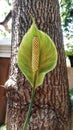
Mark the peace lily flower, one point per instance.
(37, 55)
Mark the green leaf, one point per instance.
(47, 55)
(3, 127)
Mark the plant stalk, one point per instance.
(29, 110)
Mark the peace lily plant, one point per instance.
(37, 55)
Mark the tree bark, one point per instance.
(51, 109)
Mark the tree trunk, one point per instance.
(51, 104)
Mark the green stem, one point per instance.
(29, 110)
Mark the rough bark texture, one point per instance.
(51, 106)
